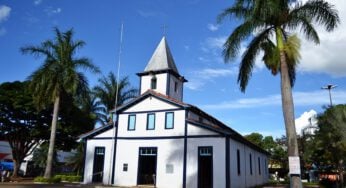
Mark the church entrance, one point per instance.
(99, 157)
(205, 167)
(147, 160)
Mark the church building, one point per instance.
(159, 140)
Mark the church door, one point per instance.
(205, 167)
(99, 157)
(147, 166)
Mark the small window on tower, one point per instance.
(175, 86)
(153, 82)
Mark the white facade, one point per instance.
(182, 146)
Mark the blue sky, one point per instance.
(195, 40)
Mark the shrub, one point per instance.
(47, 180)
(69, 178)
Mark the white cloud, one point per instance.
(4, 13)
(215, 42)
(201, 77)
(213, 27)
(51, 11)
(329, 56)
(304, 121)
(300, 99)
(37, 2)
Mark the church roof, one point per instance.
(162, 58)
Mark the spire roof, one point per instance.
(162, 58)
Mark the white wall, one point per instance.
(141, 125)
(89, 159)
(196, 130)
(175, 94)
(150, 104)
(218, 145)
(161, 80)
(169, 151)
(245, 179)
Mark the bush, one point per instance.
(47, 180)
(69, 178)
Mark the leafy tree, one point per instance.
(59, 73)
(331, 138)
(275, 148)
(269, 23)
(106, 90)
(77, 160)
(20, 123)
(40, 156)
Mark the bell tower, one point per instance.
(161, 74)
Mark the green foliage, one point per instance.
(77, 160)
(69, 178)
(60, 75)
(267, 20)
(106, 91)
(20, 123)
(278, 154)
(330, 139)
(40, 156)
(47, 180)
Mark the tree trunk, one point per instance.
(288, 107)
(16, 166)
(48, 171)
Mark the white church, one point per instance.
(160, 141)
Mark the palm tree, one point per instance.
(91, 105)
(58, 74)
(267, 20)
(107, 91)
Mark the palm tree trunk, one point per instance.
(288, 107)
(48, 171)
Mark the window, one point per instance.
(132, 122)
(148, 151)
(151, 122)
(153, 82)
(259, 166)
(250, 164)
(205, 151)
(238, 161)
(175, 86)
(125, 167)
(169, 120)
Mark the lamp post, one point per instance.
(330, 87)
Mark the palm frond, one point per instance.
(249, 56)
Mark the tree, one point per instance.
(268, 20)
(275, 148)
(20, 123)
(106, 90)
(93, 106)
(77, 159)
(40, 156)
(330, 138)
(59, 73)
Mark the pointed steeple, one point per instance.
(162, 58)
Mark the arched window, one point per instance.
(153, 82)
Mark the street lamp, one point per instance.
(330, 87)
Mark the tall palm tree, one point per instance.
(268, 20)
(107, 88)
(59, 73)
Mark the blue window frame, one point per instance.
(131, 123)
(151, 122)
(169, 120)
